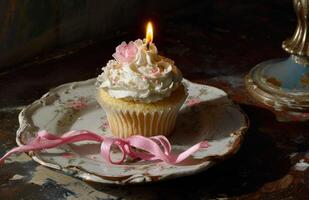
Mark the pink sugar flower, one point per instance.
(125, 53)
(192, 102)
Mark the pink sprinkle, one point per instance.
(155, 72)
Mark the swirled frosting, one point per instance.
(138, 73)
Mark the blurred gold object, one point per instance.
(283, 84)
(298, 44)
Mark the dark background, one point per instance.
(207, 39)
(32, 28)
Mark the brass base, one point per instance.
(283, 84)
(267, 87)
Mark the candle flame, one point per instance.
(149, 33)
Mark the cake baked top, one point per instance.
(138, 73)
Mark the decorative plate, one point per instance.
(207, 114)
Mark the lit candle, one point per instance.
(149, 34)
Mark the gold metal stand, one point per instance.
(283, 84)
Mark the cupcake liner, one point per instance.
(127, 118)
(125, 123)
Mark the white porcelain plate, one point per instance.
(207, 114)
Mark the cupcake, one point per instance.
(140, 91)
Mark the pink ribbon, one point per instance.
(154, 148)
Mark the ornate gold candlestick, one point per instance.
(283, 84)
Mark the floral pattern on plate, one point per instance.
(207, 114)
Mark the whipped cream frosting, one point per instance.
(138, 73)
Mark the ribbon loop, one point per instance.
(106, 149)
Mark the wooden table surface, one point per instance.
(212, 43)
